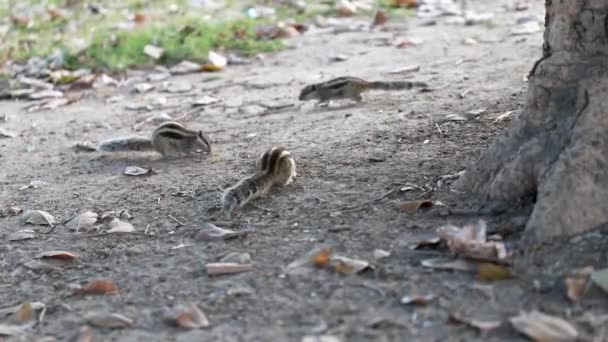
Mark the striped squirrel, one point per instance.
(169, 138)
(349, 88)
(273, 167)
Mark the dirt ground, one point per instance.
(345, 155)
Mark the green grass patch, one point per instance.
(191, 40)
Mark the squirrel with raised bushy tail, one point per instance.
(169, 138)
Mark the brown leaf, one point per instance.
(578, 283)
(109, 320)
(25, 313)
(417, 299)
(491, 272)
(220, 268)
(189, 317)
(102, 286)
(321, 259)
(139, 18)
(544, 328)
(346, 265)
(483, 326)
(60, 255)
(380, 18)
(414, 206)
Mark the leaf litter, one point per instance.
(109, 320)
(187, 316)
(38, 217)
(544, 328)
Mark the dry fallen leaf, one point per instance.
(143, 87)
(404, 3)
(23, 234)
(118, 226)
(37, 217)
(470, 241)
(34, 185)
(220, 268)
(210, 232)
(189, 317)
(136, 171)
(491, 272)
(175, 87)
(414, 206)
(381, 254)
(109, 320)
(321, 258)
(483, 326)
(86, 220)
(215, 62)
(153, 51)
(59, 255)
(14, 330)
(25, 313)
(7, 134)
(205, 100)
(101, 286)
(14, 309)
(577, 283)
(346, 265)
(544, 328)
(417, 300)
(425, 239)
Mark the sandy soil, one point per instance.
(345, 155)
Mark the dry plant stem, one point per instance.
(557, 148)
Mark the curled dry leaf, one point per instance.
(346, 265)
(215, 62)
(34, 185)
(39, 217)
(7, 134)
(483, 326)
(544, 328)
(187, 316)
(59, 255)
(491, 272)
(109, 320)
(417, 299)
(381, 254)
(25, 313)
(86, 220)
(136, 171)
(118, 226)
(318, 256)
(220, 268)
(101, 286)
(210, 232)
(577, 283)
(470, 241)
(414, 206)
(23, 234)
(426, 239)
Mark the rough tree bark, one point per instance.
(556, 150)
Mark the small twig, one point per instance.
(464, 93)
(366, 203)
(179, 223)
(439, 129)
(60, 224)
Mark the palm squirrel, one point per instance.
(169, 138)
(350, 88)
(273, 167)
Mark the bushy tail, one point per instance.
(244, 191)
(126, 144)
(396, 85)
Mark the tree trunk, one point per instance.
(556, 150)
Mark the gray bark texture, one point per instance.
(556, 150)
